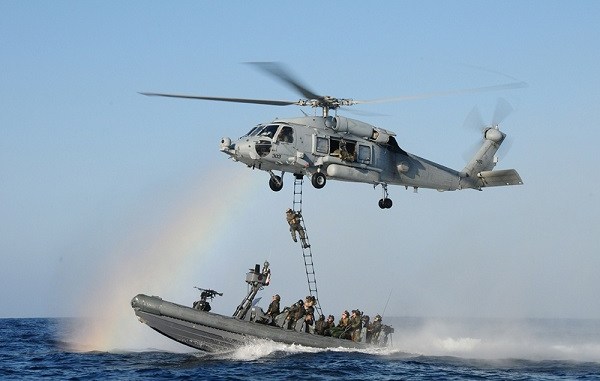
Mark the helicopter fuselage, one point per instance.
(338, 148)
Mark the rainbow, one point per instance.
(192, 226)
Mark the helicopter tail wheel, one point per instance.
(318, 180)
(275, 183)
(385, 203)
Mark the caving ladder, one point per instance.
(306, 251)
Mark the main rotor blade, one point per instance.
(221, 99)
(277, 70)
(506, 86)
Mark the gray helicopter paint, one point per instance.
(384, 166)
(383, 162)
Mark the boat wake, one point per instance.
(259, 349)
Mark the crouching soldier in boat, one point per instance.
(327, 325)
(365, 325)
(294, 313)
(309, 312)
(341, 330)
(320, 326)
(355, 325)
(373, 330)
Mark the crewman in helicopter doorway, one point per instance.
(293, 219)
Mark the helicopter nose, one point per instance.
(246, 150)
(227, 146)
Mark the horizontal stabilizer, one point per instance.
(500, 178)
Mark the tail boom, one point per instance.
(479, 169)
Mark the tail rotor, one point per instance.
(474, 121)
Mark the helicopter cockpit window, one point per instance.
(364, 154)
(322, 145)
(269, 131)
(253, 131)
(286, 135)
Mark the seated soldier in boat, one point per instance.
(355, 325)
(294, 313)
(341, 330)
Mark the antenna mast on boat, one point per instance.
(257, 279)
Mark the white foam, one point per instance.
(262, 348)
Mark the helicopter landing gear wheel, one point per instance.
(275, 183)
(318, 180)
(385, 203)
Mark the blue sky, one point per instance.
(89, 167)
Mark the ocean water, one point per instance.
(423, 349)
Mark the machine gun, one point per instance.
(203, 304)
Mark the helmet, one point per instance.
(377, 317)
(289, 210)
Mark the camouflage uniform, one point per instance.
(344, 154)
(309, 312)
(328, 325)
(373, 330)
(355, 325)
(294, 313)
(320, 325)
(339, 331)
(309, 318)
(273, 309)
(293, 219)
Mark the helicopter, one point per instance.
(333, 147)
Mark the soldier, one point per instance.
(308, 312)
(365, 325)
(373, 330)
(340, 331)
(328, 325)
(320, 326)
(355, 325)
(344, 154)
(274, 308)
(293, 219)
(295, 312)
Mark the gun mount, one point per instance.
(256, 279)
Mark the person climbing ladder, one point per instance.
(293, 219)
